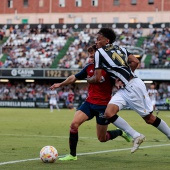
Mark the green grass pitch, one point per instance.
(23, 132)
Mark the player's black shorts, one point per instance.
(92, 110)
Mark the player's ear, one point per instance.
(107, 41)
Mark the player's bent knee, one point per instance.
(74, 127)
(148, 122)
(150, 119)
(111, 111)
(108, 115)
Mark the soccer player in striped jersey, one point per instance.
(131, 89)
(94, 105)
(153, 93)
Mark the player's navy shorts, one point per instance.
(92, 110)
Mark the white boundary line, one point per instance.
(44, 136)
(88, 153)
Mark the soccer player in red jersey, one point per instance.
(95, 104)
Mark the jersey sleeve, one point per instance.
(97, 60)
(126, 52)
(82, 74)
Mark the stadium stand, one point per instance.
(33, 48)
(36, 48)
(67, 49)
(76, 56)
(157, 48)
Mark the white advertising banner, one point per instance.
(153, 74)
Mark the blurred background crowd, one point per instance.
(40, 92)
(38, 48)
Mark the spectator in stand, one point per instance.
(153, 94)
(1, 35)
(83, 95)
(168, 101)
(155, 59)
(53, 97)
(70, 100)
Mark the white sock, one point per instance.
(122, 124)
(57, 107)
(51, 108)
(164, 128)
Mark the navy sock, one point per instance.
(114, 133)
(73, 140)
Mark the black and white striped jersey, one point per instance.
(113, 59)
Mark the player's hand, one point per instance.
(54, 86)
(88, 78)
(118, 83)
(102, 79)
(133, 62)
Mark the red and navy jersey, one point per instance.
(98, 93)
(70, 97)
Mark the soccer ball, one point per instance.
(48, 154)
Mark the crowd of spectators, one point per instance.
(164, 93)
(157, 44)
(128, 36)
(76, 56)
(33, 48)
(36, 92)
(40, 92)
(37, 48)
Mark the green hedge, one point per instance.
(3, 58)
(147, 60)
(62, 52)
(4, 40)
(140, 41)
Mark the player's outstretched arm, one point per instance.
(133, 62)
(96, 78)
(71, 79)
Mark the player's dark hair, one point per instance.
(92, 48)
(153, 84)
(108, 33)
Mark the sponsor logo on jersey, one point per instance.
(101, 115)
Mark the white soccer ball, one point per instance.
(48, 154)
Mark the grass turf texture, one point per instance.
(24, 132)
